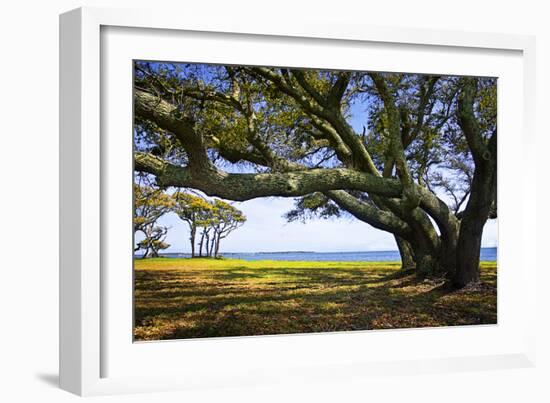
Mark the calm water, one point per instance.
(488, 254)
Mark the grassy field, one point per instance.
(189, 298)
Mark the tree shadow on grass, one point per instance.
(239, 302)
(177, 281)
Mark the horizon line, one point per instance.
(302, 251)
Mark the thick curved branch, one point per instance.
(300, 97)
(337, 91)
(394, 128)
(209, 95)
(167, 116)
(370, 214)
(468, 122)
(409, 132)
(327, 131)
(244, 186)
(234, 155)
(253, 136)
(312, 92)
(445, 219)
(426, 94)
(411, 198)
(361, 157)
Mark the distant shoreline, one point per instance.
(487, 254)
(302, 251)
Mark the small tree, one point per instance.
(214, 219)
(194, 211)
(153, 241)
(205, 236)
(149, 205)
(227, 218)
(206, 222)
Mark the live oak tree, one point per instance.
(422, 166)
(149, 205)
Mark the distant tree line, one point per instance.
(209, 221)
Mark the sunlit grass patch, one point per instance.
(190, 298)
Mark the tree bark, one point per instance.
(483, 188)
(406, 252)
(471, 227)
(469, 245)
(217, 248)
(207, 236)
(192, 240)
(448, 256)
(246, 186)
(426, 260)
(212, 242)
(201, 243)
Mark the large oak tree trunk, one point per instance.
(474, 218)
(429, 261)
(406, 253)
(482, 191)
(469, 245)
(447, 260)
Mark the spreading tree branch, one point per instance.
(244, 186)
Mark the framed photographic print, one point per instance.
(257, 195)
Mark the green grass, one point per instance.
(190, 298)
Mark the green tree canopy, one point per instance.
(216, 219)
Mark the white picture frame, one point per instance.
(86, 345)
